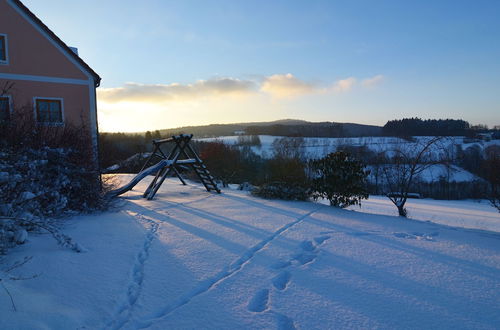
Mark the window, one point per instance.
(4, 108)
(49, 111)
(3, 49)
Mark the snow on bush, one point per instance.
(37, 185)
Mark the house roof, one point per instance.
(97, 78)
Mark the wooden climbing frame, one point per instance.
(181, 155)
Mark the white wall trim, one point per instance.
(6, 62)
(57, 80)
(49, 98)
(50, 39)
(93, 121)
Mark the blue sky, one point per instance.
(172, 63)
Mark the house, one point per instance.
(38, 71)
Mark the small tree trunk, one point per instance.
(402, 210)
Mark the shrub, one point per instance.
(44, 183)
(286, 170)
(37, 186)
(339, 178)
(282, 190)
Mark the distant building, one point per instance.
(39, 71)
(239, 132)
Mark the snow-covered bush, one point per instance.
(37, 185)
(11, 234)
(45, 183)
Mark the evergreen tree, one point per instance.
(340, 179)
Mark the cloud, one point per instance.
(344, 85)
(134, 92)
(286, 85)
(277, 85)
(373, 81)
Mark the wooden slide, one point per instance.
(141, 175)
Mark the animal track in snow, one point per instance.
(124, 310)
(259, 301)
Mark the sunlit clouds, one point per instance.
(133, 92)
(286, 85)
(373, 81)
(344, 85)
(140, 107)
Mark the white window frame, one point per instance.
(6, 41)
(10, 104)
(50, 99)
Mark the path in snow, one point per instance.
(208, 284)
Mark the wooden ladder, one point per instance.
(181, 155)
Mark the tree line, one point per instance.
(435, 127)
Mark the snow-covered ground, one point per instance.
(472, 214)
(196, 260)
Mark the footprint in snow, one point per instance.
(307, 246)
(259, 301)
(284, 322)
(281, 280)
(305, 258)
(320, 239)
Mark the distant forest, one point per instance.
(428, 127)
(398, 127)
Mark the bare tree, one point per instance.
(408, 161)
(6, 87)
(289, 147)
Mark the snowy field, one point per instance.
(472, 214)
(319, 147)
(196, 260)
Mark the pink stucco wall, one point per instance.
(30, 52)
(75, 99)
(35, 68)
